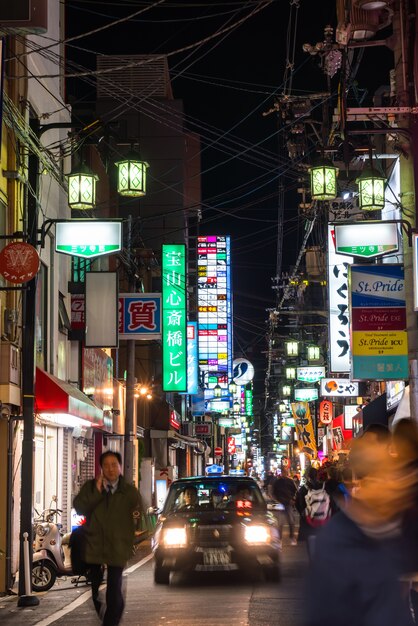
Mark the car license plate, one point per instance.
(216, 557)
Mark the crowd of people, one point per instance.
(359, 520)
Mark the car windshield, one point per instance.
(211, 494)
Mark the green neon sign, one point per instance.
(174, 322)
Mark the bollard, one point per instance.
(27, 599)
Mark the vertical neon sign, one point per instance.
(174, 331)
(215, 311)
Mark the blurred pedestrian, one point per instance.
(284, 492)
(360, 544)
(108, 503)
(312, 500)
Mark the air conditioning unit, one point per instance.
(24, 17)
(9, 364)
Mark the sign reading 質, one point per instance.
(174, 322)
(139, 316)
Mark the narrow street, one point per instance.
(194, 600)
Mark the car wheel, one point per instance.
(43, 576)
(273, 574)
(161, 575)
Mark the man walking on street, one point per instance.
(284, 492)
(108, 504)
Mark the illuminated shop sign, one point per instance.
(214, 310)
(310, 373)
(343, 387)
(88, 238)
(306, 394)
(174, 324)
(139, 316)
(367, 240)
(339, 317)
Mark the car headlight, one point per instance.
(174, 537)
(42, 530)
(257, 534)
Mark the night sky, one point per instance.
(226, 84)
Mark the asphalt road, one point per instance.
(197, 600)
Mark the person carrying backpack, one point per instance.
(284, 492)
(314, 506)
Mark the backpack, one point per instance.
(318, 506)
(77, 545)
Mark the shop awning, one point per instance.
(56, 397)
(198, 444)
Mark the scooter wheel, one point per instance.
(43, 576)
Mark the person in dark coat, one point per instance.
(284, 492)
(108, 503)
(307, 532)
(361, 584)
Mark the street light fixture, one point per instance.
(371, 187)
(82, 188)
(292, 348)
(217, 391)
(232, 387)
(323, 181)
(290, 373)
(286, 390)
(132, 176)
(313, 353)
(236, 406)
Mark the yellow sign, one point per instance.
(304, 428)
(377, 343)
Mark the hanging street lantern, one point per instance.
(236, 407)
(290, 373)
(132, 176)
(82, 188)
(232, 387)
(292, 348)
(313, 353)
(217, 391)
(371, 190)
(286, 391)
(323, 181)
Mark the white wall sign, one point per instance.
(243, 371)
(367, 239)
(306, 394)
(310, 373)
(339, 316)
(339, 387)
(88, 238)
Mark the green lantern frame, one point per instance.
(371, 190)
(132, 176)
(323, 181)
(82, 188)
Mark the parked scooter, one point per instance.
(52, 554)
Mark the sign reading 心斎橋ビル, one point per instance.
(379, 340)
(174, 322)
(88, 238)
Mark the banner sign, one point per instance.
(338, 437)
(325, 412)
(379, 340)
(310, 373)
(339, 314)
(304, 428)
(139, 316)
(174, 323)
(366, 239)
(88, 239)
(335, 387)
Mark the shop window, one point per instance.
(64, 324)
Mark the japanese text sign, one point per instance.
(335, 387)
(378, 313)
(139, 316)
(339, 318)
(192, 359)
(174, 323)
(304, 428)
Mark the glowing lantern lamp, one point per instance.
(371, 190)
(132, 176)
(292, 348)
(290, 373)
(217, 391)
(313, 353)
(82, 188)
(323, 181)
(286, 391)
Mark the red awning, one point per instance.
(53, 395)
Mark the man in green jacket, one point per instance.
(108, 504)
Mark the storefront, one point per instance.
(67, 424)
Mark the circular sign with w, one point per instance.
(19, 262)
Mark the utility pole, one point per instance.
(130, 426)
(28, 389)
